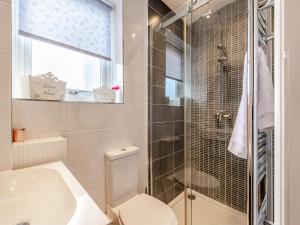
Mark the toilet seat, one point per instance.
(145, 210)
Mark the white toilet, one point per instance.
(123, 202)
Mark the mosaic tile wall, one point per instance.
(216, 172)
(166, 122)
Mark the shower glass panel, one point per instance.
(217, 193)
(196, 66)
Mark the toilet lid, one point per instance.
(146, 210)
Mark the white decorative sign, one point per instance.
(104, 94)
(47, 87)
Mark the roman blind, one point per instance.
(81, 25)
(174, 62)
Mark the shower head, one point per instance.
(221, 47)
(208, 14)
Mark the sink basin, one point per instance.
(46, 195)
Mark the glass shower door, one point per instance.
(216, 179)
(196, 66)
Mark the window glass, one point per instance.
(68, 53)
(80, 71)
(174, 73)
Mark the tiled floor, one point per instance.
(206, 211)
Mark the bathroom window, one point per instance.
(174, 72)
(68, 50)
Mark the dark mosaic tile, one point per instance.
(179, 159)
(159, 41)
(179, 188)
(178, 112)
(158, 77)
(178, 143)
(178, 128)
(167, 196)
(159, 95)
(162, 148)
(209, 149)
(162, 131)
(162, 166)
(163, 183)
(159, 59)
(162, 113)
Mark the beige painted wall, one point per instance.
(91, 129)
(291, 104)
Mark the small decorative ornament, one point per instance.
(47, 87)
(104, 94)
(19, 134)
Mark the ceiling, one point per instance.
(175, 4)
(202, 6)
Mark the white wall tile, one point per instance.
(93, 129)
(5, 158)
(5, 24)
(81, 116)
(7, 1)
(40, 118)
(97, 191)
(289, 124)
(5, 74)
(143, 177)
(122, 137)
(118, 115)
(133, 84)
(5, 122)
(85, 144)
(88, 170)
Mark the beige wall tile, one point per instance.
(7, 1)
(5, 122)
(97, 191)
(88, 170)
(5, 156)
(143, 177)
(5, 74)
(91, 129)
(83, 116)
(84, 144)
(40, 118)
(5, 24)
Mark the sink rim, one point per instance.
(86, 211)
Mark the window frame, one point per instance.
(22, 58)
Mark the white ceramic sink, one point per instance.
(46, 195)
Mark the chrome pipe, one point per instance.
(251, 115)
(178, 16)
(269, 142)
(269, 180)
(187, 9)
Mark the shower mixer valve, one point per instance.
(220, 115)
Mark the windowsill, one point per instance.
(79, 97)
(69, 101)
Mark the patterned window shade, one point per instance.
(174, 62)
(81, 25)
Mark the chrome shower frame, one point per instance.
(252, 128)
(251, 115)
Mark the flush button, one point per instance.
(123, 149)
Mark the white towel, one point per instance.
(265, 107)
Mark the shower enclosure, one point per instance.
(206, 48)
